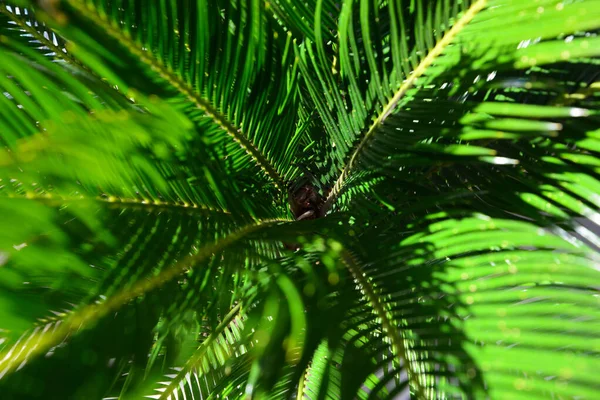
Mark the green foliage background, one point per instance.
(146, 152)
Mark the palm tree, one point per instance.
(299, 199)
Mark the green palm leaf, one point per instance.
(443, 156)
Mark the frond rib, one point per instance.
(113, 202)
(408, 83)
(393, 333)
(300, 392)
(86, 9)
(59, 53)
(200, 353)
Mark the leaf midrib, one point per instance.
(59, 52)
(54, 200)
(395, 336)
(22, 24)
(408, 84)
(199, 355)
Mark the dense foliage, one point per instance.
(316, 199)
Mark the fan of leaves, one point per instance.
(146, 249)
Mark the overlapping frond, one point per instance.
(111, 215)
(414, 53)
(143, 253)
(205, 367)
(17, 22)
(222, 65)
(465, 291)
(41, 341)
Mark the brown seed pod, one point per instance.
(305, 202)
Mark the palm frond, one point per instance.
(214, 352)
(171, 204)
(478, 283)
(19, 23)
(223, 72)
(144, 253)
(371, 85)
(39, 342)
(298, 18)
(387, 326)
